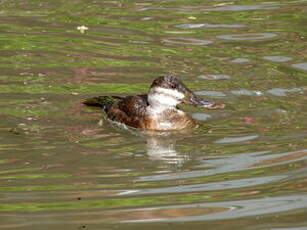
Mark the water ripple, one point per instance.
(210, 93)
(201, 116)
(245, 92)
(240, 60)
(244, 7)
(277, 92)
(238, 209)
(63, 164)
(207, 25)
(187, 41)
(247, 37)
(217, 8)
(221, 185)
(277, 58)
(301, 66)
(214, 77)
(215, 164)
(283, 92)
(227, 140)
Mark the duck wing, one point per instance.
(129, 110)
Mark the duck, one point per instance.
(156, 110)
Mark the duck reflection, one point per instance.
(161, 146)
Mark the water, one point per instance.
(64, 166)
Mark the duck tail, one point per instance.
(103, 102)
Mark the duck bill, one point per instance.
(200, 102)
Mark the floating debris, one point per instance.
(82, 29)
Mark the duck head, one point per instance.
(169, 91)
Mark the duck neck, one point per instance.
(159, 102)
(160, 108)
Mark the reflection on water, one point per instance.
(251, 36)
(207, 25)
(201, 116)
(244, 7)
(214, 77)
(246, 92)
(277, 58)
(239, 162)
(283, 92)
(211, 93)
(163, 148)
(237, 209)
(302, 66)
(240, 60)
(235, 139)
(64, 166)
(209, 186)
(187, 41)
(217, 7)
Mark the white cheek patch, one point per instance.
(168, 92)
(163, 99)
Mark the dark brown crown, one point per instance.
(169, 82)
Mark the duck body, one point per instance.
(135, 111)
(156, 110)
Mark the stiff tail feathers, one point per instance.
(103, 102)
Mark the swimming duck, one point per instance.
(156, 110)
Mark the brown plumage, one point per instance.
(156, 110)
